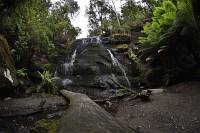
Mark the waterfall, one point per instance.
(68, 66)
(66, 69)
(118, 64)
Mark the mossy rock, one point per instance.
(46, 126)
(132, 56)
(122, 47)
(120, 38)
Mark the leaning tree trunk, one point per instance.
(85, 116)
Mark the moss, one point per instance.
(46, 126)
(121, 36)
(121, 92)
(122, 46)
(131, 55)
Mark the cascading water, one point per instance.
(118, 64)
(66, 70)
(68, 66)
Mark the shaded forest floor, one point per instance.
(174, 111)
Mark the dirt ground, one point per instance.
(175, 111)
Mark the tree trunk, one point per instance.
(85, 116)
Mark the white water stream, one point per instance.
(66, 69)
(118, 64)
(68, 66)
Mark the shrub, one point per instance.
(163, 18)
(48, 82)
(21, 73)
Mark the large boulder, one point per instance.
(93, 68)
(7, 70)
(97, 70)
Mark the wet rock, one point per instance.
(94, 68)
(97, 67)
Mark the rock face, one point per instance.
(7, 69)
(95, 66)
(85, 116)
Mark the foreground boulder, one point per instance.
(7, 69)
(85, 116)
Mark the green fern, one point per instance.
(163, 19)
(158, 11)
(21, 72)
(48, 82)
(169, 6)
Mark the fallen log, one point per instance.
(85, 116)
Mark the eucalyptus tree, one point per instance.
(100, 14)
(60, 21)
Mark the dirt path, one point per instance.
(174, 111)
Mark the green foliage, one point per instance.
(37, 27)
(62, 31)
(48, 82)
(132, 56)
(59, 21)
(178, 28)
(28, 24)
(100, 14)
(21, 73)
(163, 19)
(22, 76)
(132, 12)
(48, 126)
(187, 13)
(121, 92)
